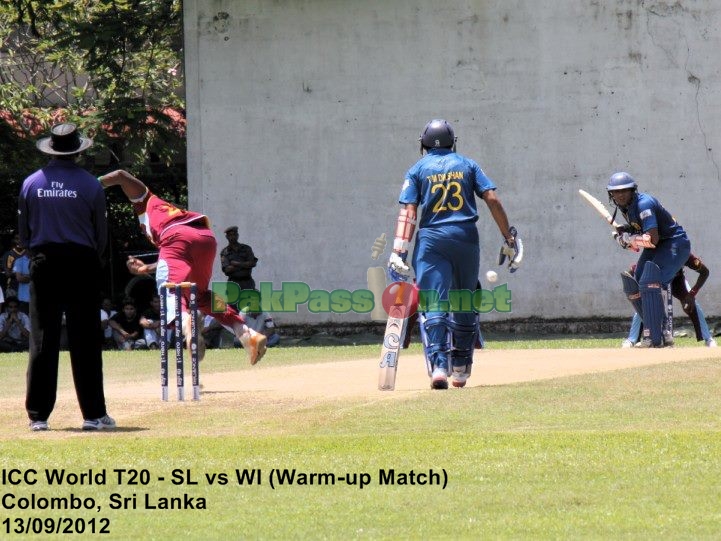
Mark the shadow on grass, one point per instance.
(123, 429)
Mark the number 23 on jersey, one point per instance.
(451, 196)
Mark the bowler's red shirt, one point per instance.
(158, 217)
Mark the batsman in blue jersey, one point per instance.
(442, 187)
(665, 249)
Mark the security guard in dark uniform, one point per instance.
(237, 260)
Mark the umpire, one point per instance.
(62, 221)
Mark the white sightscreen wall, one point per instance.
(304, 117)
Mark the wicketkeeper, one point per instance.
(665, 248)
(446, 256)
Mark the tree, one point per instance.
(114, 68)
(110, 64)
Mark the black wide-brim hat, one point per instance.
(64, 140)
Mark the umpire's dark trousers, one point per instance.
(65, 278)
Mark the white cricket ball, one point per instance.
(491, 276)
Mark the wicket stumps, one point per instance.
(669, 311)
(177, 289)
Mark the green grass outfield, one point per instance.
(625, 454)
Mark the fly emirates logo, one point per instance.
(56, 190)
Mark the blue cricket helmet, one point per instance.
(621, 181)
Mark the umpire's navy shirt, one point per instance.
(62, 203)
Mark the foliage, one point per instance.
(17, 157)
(114, 68)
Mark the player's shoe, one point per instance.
(459, 376)
(439, 378)
(38, 426)
(710, 343)
(104, 423)
(626, 344)
(255, 344)
(667, 338)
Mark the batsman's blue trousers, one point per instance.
(447, 258)
(670, 255)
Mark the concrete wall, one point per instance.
(304, 116)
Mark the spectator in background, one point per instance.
(21, 268)
(127, 331)
(14, 328)
(150, 321)
(106, 312)
(8, 260)
(3, 273)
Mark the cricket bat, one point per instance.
(392, 341)
(603, 211)
(600, 208)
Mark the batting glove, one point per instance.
(513, 250)
(625, 241)
(398, 269)
(625, 228)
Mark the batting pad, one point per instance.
(633, 294)
(463, 341)
(652, 302)
(435, 336)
